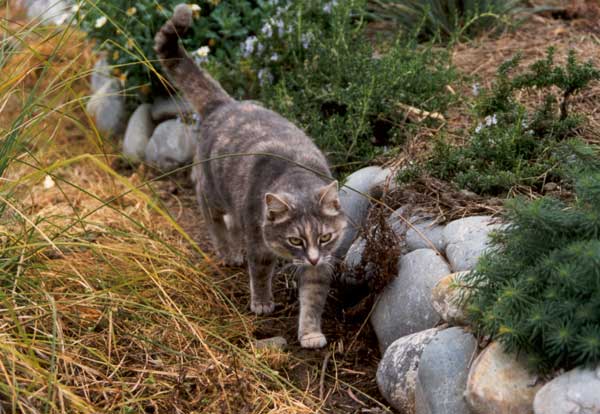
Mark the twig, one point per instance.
(323, 370)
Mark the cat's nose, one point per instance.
(313, 256)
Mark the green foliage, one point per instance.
(319, 71)
(538, 291)
(512, 145)
(125, 30)
(445, 19)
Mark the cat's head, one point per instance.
(304, 228)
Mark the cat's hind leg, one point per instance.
(235, 241)
(215, 223)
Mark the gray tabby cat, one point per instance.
(279, 201)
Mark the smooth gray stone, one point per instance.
(466, 240)
(356, 205)
(431, 231)
(443, 371)
(138, 133)
(170, 108)
(404, 306)
(54, 12)
(575, 391)
(100, 74)
(397, 371)
(107, 107)
(277, 342)
(172, 145)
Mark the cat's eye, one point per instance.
(325, 238)
(295, 241)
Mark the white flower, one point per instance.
(195, 8)
(478, 128)
(279, 25)
(48, 182)
(247, 47)
(259, 48)
(76, 8)
(491, 120)
(201, 55)
(101, 21)
(267, 30)
(475, 89)
(265, 76)
(203, 51)
(274, 57)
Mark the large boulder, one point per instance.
(355, 201)
(500, 383)
(170, 108)
(101, 74)
(54, 12)
(423, 234)
(397, 370)
(466, 240)
(107, 107)
(404, 306)
(138, 133)
(447, 296)
(574, 392)
(443, 371)
(172, 145)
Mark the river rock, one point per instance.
(466, 240)
(54, 12)
(404, 306)
(100, 74)
(445, 298)
(107, 107)
(170, 108)
(138, 133)
(172, 145)
(574, 392)
(443, 371)
(276, 342)
(430, 231)
(500, 383)
(397, 371)
(355, 203)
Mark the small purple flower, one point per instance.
(306, 39)
(274, 57)
(328, 7)
(247, 47)
(491, 120)
(280, 26)
(478, 128)
(267, 30)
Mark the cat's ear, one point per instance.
(277, 206)
(329, 199)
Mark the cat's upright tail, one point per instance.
(199, 88)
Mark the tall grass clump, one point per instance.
(106, 304)
(446, 19)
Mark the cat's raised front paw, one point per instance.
(313, 340)
(262, 308)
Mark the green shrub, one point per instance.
(317, 68)
(512, 145)
(538, 291)
(445, 19)
(125, 30)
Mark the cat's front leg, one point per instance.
(313, 290)
(260, 268)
